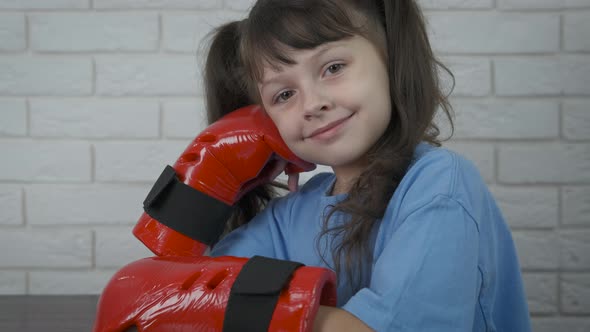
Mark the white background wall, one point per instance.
(97, 95)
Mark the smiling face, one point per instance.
(333, 104)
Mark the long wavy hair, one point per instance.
(240, 50)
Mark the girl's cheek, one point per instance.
(284, 130)
(348, 98)
(272, 115)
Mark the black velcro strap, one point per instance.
(255, 293)
(185, 209)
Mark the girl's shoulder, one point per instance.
(438, 178)
(438, 171)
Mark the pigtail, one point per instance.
(223, 75)
(226, 91)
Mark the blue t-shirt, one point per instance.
(443, 256)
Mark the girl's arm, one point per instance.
(261, 236)
(330, 319)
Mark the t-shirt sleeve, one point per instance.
(426, 278)
(262, 236)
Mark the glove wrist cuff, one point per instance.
(186, 215)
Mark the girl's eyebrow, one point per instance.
(322, 49)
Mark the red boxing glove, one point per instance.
(232, 156)
(166, 294)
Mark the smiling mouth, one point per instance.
(329, 126)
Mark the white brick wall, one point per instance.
(12, 32)
(85, 118)
(93, 32)
(44, 4)
(97, 95)
(37, 75)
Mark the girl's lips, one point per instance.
(325, 129)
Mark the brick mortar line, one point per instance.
(166, 97)
(458, 98)
(27, 282)
(157, 52)
(560, 261)
(523, 185)
(27, 117)
(161, 120)
(562, 32)
(560, 121)
(27, 33)
(112, 10)
(580, 272)
(495, 10)
(47, 269)
(94, 77)
(533, 140)
(160, 42)
(492, 69)
(495, 163)
(93, 249)
(91, 140)
(24, 221)
(92, 163)
(160, 51)
(86, 228)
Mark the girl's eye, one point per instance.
(334, 68)
(283, 96)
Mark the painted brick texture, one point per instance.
(96, 96)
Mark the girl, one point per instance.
(413, 233)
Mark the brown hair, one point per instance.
(241, 49)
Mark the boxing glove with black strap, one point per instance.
(229, 294)
(187, 208)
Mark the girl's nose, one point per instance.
(315, 102)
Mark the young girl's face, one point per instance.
(333, 104)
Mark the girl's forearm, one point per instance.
(330, 319)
